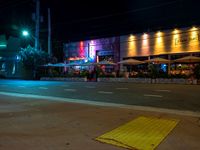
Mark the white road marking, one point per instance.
(70, 90)
(21, 86)
(105, 104)
(43, 88)
(103, 92)
(122, 88)
(149, 95)
(162, 90)
(90, 87)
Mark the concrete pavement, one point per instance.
(36, 124)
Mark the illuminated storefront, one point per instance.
(93, 50)
(177, 41)
(168, 44)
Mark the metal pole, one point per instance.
(49, 32)
(37, 26)
(169, 65)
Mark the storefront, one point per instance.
(93, 50)
(168, 44)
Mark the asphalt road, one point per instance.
(171, 96)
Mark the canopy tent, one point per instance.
(59, 65)
(69, 64)
(87, 64)
(48, 65)
(158, 60)
(72, 64)
(131, 62)
(188, 59)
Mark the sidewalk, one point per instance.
(42, 125)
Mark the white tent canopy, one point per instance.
(188, 59)
(158, 60)
(131, 62)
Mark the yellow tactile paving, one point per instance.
(142, 133)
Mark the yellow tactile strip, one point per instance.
(142, 133)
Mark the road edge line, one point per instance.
(134, 107)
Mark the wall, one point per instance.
(9, 60)
(164, 42)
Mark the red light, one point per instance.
(81, 52)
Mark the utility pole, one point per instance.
(49, 32)
(37, 26)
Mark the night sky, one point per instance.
(74, 20)
(80, 20)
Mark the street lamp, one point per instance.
(25, 33)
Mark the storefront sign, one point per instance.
(179, 41)
(104, 53)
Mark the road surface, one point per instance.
(170, 96)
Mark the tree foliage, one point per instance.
(32, 58)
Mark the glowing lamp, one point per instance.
(145, 36)
(194, 28)
(159, 34)
(176, 31)
(25, 33)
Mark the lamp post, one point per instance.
(25, 33)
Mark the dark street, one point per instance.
(180, 97)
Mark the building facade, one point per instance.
(93, 50)
(169, 44)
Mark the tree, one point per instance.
(31, 59)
